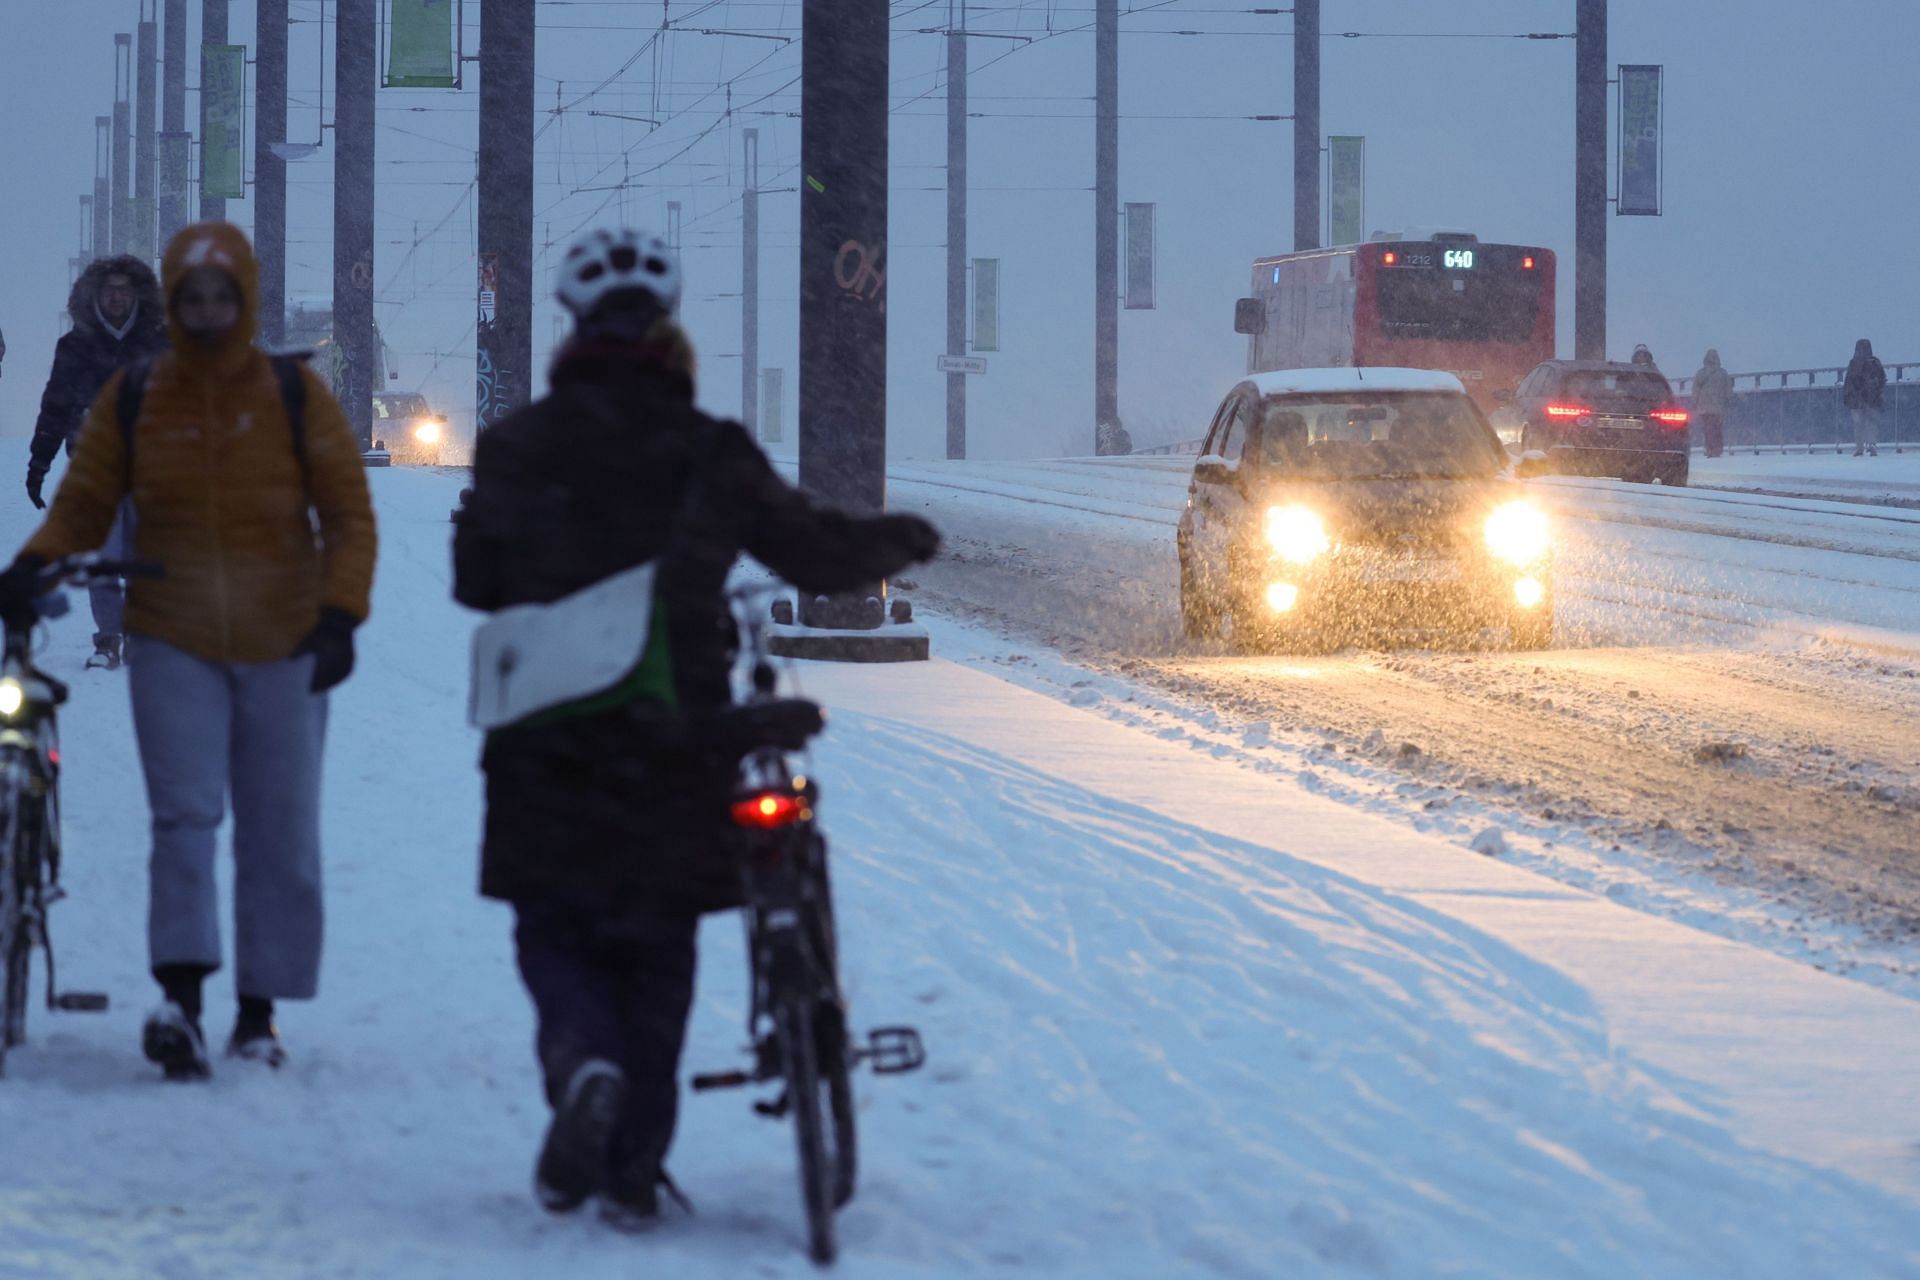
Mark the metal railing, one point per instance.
(1800, 410)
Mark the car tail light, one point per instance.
(1526, 263)
(1568, 411)
(1670, 417)
(770, 810)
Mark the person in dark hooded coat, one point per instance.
(1712, 390)
(602, 824)
(118, 318)
(1865, 383)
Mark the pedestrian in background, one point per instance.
(1641, 356)
(247, 489)
(118, 318)
(1712, 389)
(1866, 379)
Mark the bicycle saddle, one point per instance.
(785, 723)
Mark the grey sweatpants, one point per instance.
(208, 730)
(1866, 427)
(109, 596)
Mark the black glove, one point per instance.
(36, 476)
(19, 590)
(917, 540)
(331, 644)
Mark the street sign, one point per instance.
(960, 364)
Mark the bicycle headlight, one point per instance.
(1517, 533)
(1296, 534)
(12, 697)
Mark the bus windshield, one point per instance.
(1457, 306)
(1361, 436)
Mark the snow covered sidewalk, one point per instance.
(1183, 1021)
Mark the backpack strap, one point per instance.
(293, 398)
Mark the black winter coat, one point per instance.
(1866, 380)
(88, 354)
(605, 813)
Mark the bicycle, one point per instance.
(30, 802)
(797, 1022)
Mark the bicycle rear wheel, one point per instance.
(793, 1023)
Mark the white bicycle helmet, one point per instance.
(603, 262)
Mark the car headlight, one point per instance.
(427, 433)
(1518, 533)
(12, 697)
(1296, 534)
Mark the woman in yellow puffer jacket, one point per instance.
(266, 539)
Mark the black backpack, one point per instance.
(293, 397)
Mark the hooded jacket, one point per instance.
(1712, 386)
(613, 469)
(250, 545)
(89, 353)
(1866, 378)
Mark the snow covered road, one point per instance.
(1732, 691)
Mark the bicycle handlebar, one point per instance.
(87, 566)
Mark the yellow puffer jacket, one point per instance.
(251, 548)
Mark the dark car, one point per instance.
(1598, 418)
(1332, 503)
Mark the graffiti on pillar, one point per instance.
(861, 272)
(490, 401)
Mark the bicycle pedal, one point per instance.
(894, 1051)
(774, 1108)
(81, 1001)
(720, 1080)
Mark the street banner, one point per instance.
(223, 121)
(421, 53)
(986, 304)
(1346, 188)
(772, 388)
(1639, 180)
(1138, 291)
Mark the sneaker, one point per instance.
(106, 653)
(173, 1040)
(574, 1158)
(631, 1200)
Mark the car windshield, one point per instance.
(1362, 436)
(400, 406)
(1642, 387)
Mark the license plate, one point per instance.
(1621, 424)
(1428, 570)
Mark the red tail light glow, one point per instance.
(1671, 417)
(1526, 263)
(770, 811)
(1568, 411)
(1390, 257)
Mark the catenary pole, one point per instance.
(176, 143)
(957, 230)
(147, 131)
(1106, 213)
(1306, 124)
(123, 237)
(504, 334)
(270, 170)
(355, 69)
(102, 186)
(843, 272)
(1590, 181)
(750, 282)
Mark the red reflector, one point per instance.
(1390, 257)
(770, 811)
(1567, 411)
(1526, 263)
(53, 756)
(1672, 417)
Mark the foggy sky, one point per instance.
(1783, 241)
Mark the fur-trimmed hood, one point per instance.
(146, 291)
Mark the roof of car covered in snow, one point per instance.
(1280, 382)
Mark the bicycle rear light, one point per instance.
(770, 810)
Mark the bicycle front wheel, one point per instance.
(793, 1023)
(15, 941)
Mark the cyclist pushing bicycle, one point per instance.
(620, 508)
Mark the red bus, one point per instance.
(1428, 300)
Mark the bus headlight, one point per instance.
(427, 432)
(1296, 534)
(12, 697)
(1518, 534)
